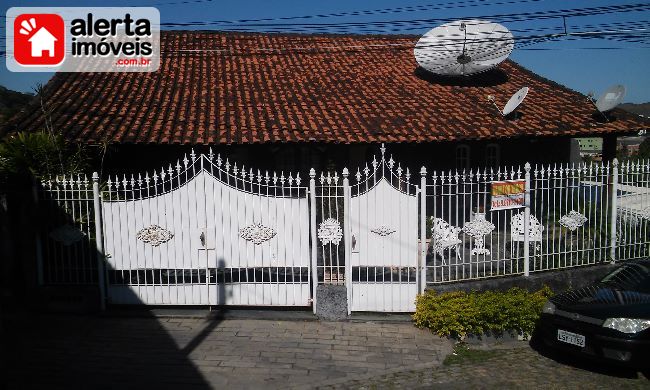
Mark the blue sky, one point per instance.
(584, 65)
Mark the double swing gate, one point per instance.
(206, 231)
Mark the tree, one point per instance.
(11, 102)
(38, 155)
(644, 149)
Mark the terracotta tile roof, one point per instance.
(254, 88)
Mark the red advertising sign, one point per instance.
(508, 194)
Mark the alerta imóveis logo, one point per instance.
(39, 39)
(87, 28)
(76, 39)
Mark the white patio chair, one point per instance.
(444, 236)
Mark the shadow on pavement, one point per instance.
(76, 347)
(91, 352)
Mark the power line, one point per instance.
(524, 41)
(512, 17)
(406, 25)
(584, 48)
(629, 32)
(381, 11)
(442, 43)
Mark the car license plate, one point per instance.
(570, 338)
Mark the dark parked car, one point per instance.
(609, 320)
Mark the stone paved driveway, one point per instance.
(102, 353)
(512, 368)
(81, 352)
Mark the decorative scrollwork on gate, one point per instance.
(330, 232)
(257, 233)
(383, 230)
(573, 220)
(154, 235)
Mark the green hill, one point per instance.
(11, 102)
(639, 109)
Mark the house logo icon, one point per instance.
(39, 39)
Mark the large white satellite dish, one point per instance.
(464, 47)
(611, 98)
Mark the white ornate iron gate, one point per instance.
(383, 219)
(367, 233)
(206, 232)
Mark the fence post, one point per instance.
(527, 221)
(39, 245)
(312, 228)
(347, 236)
(423, 232)
(613, 222)
(99, 242)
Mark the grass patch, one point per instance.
(463, 354)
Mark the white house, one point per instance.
(42, 41)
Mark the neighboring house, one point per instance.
(295, 101)
(590, 146)
(587, 149)
(630, 145)
(42, 41)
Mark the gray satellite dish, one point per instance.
(513, 103)
(611, 98)
(463, 47)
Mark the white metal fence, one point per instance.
(206, 231)
(632, 204)
(68, 226)
(566, 223)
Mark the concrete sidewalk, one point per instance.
(56, 351)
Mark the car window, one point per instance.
(633, 276)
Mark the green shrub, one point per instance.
(457, 314)
(40, 155)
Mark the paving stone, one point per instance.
(236, 363)
(519, 368)
(229, 353)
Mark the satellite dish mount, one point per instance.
(464, 58)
